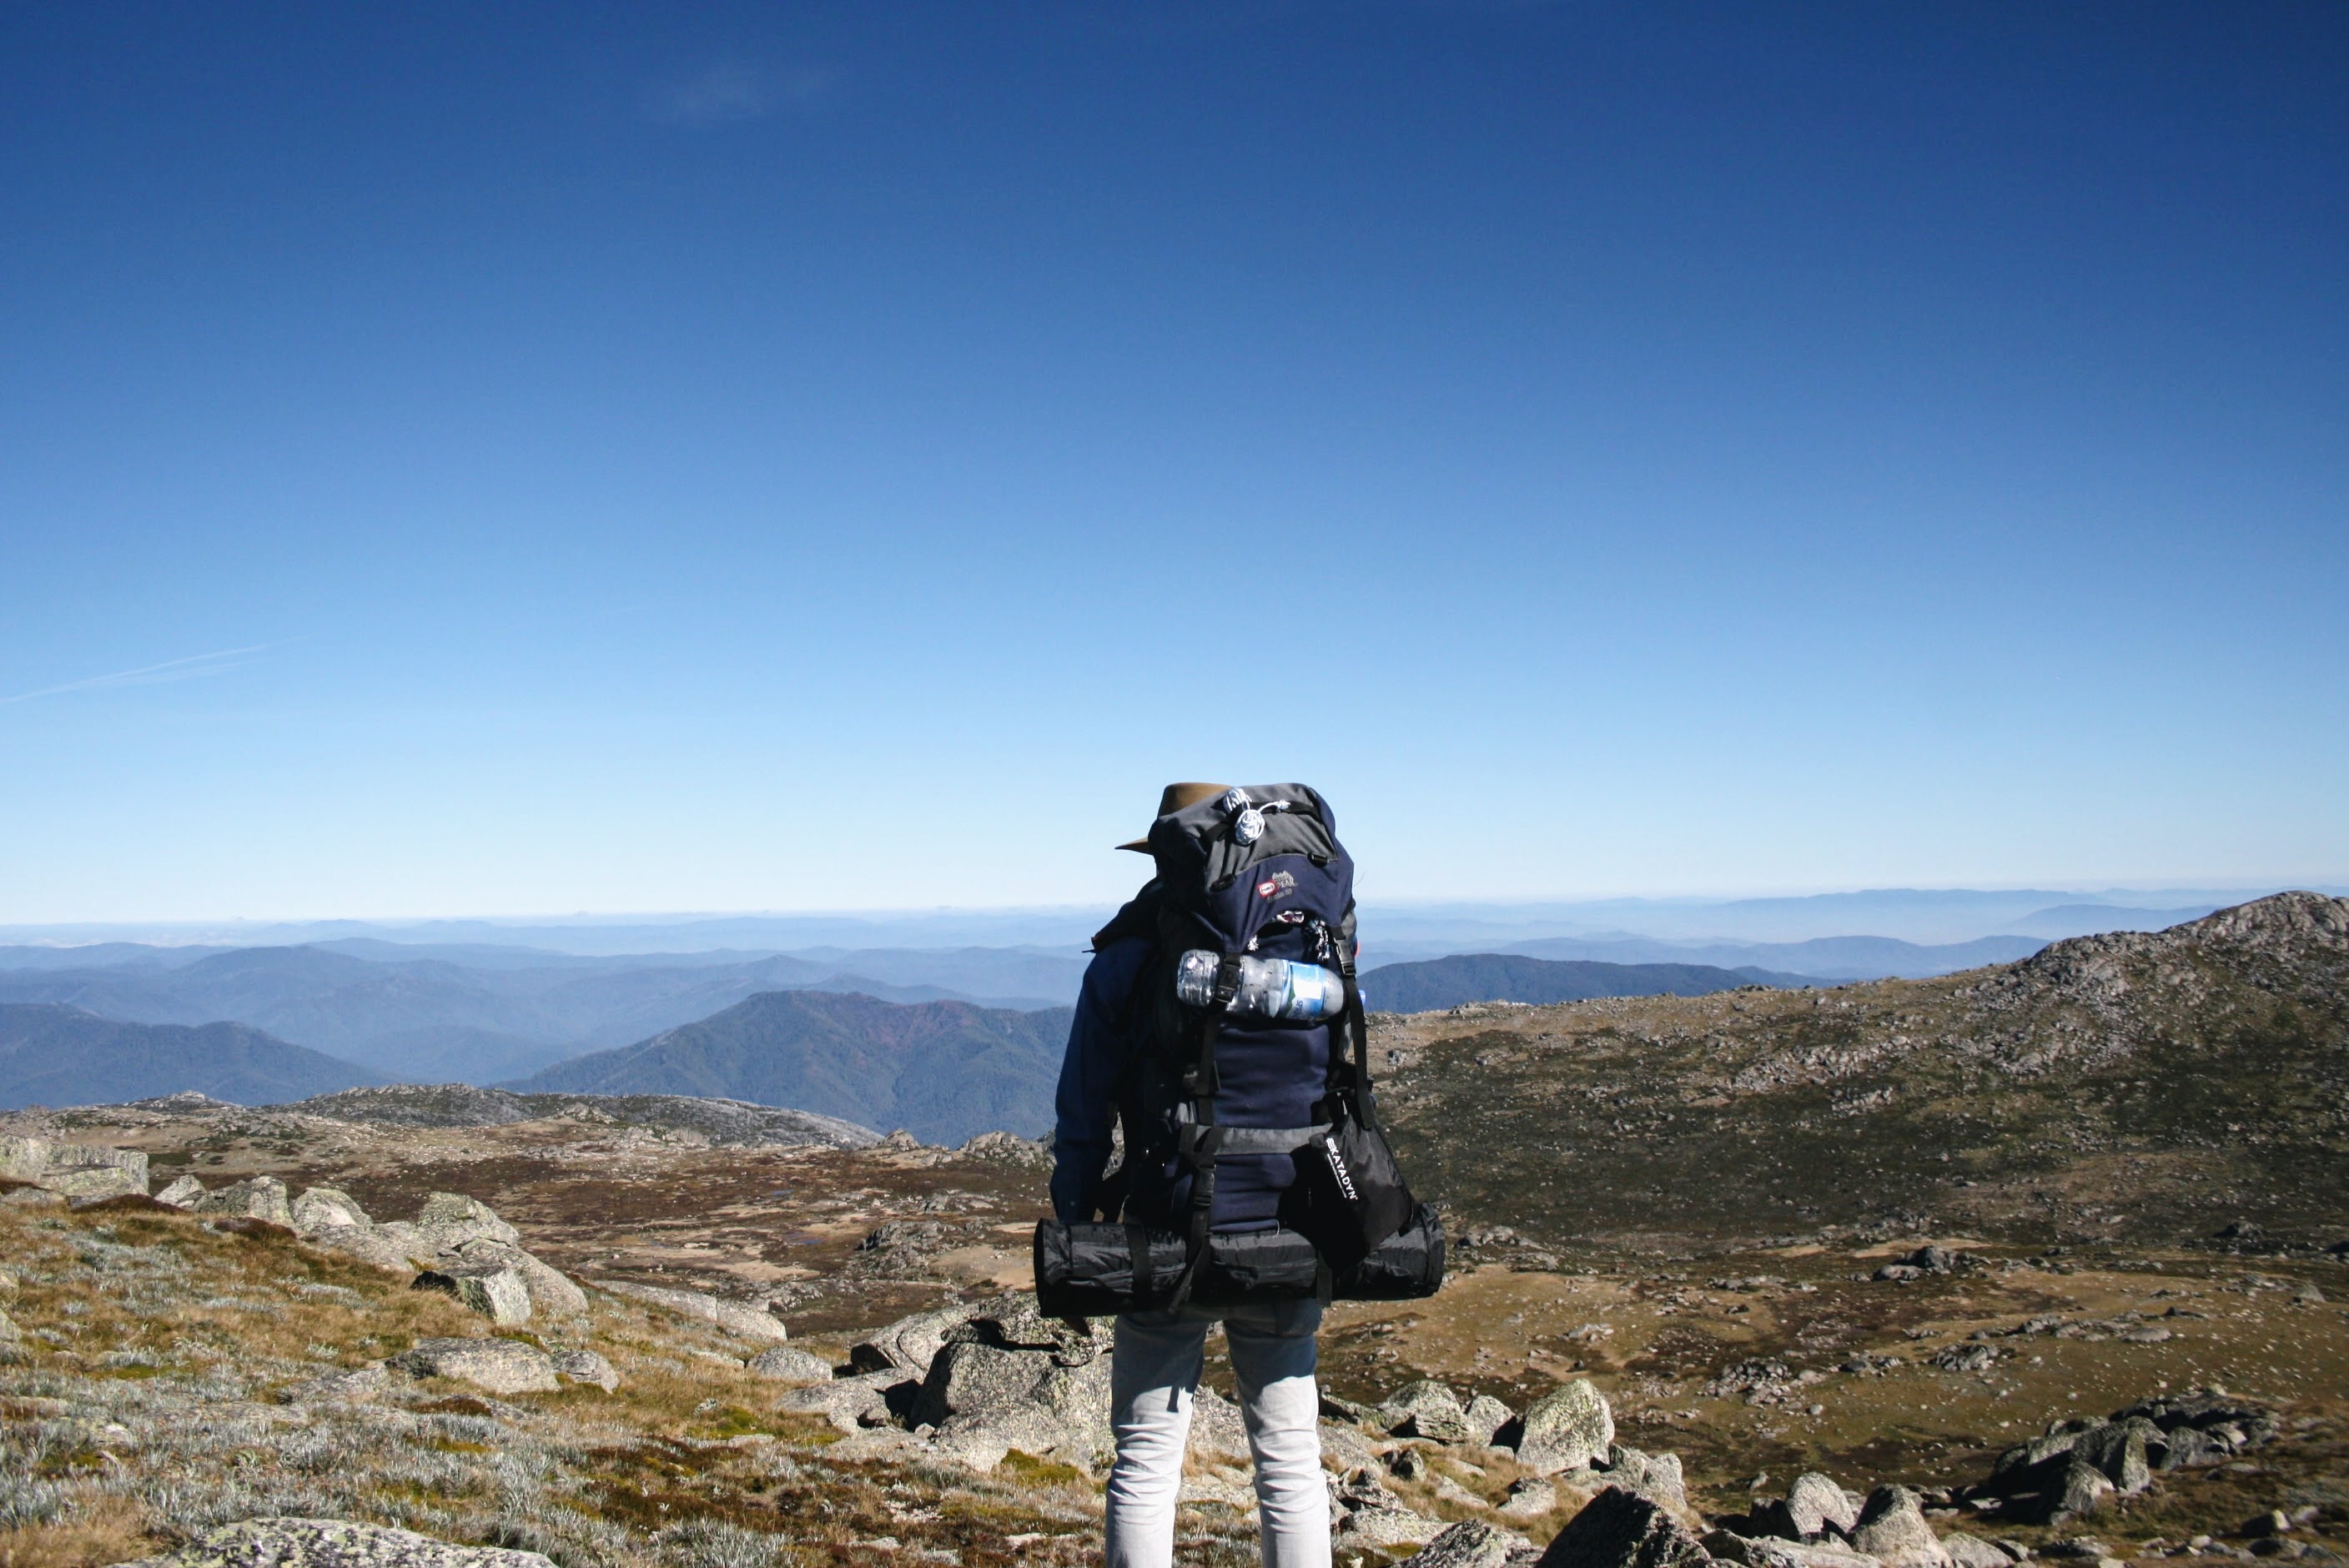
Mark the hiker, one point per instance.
(1267, 1077)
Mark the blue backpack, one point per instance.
(1238, 1121)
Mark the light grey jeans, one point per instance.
(1152, 1375)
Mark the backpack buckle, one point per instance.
(1227, 980)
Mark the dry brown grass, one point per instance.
(109, 1533)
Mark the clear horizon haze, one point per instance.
(462, 461)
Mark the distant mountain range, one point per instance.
(58, 1056)
(1464, 978)
(943, 1070)
(435, 1019)
(1830, 958)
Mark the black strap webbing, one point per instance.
(1199, 1141)
(1137, 1243)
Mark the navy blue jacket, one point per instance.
(1272, 1076)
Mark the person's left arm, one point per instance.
(1085, 1105)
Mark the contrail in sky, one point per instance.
(189, 668)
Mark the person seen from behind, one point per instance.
(1271, 1078)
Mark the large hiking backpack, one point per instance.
(1255, 873)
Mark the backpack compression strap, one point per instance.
(1199, 1141)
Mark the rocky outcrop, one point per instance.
(1656, 1477)
(334, 1544)
(859, 1402)
(584, 1366)
(1425, 1409)
(494, 1290)
(2075, 1466)
(1893, 1531)
(449, 1220)
(260, 1198)
(1621, 1529)
(1566, 1430)
(910, 1344)
(76, 1171)
(1473, 1544)
(498, 1365)
(183, 1192)
(790, 1364)
(1813, 1506)
(1008, 1377)
(1368, 1514)
(319, 1208)
(730, 1316)
(456, 1244)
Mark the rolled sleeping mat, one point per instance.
(1089, 1270)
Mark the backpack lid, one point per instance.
(1201, 847)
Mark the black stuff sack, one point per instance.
(1349, 1196)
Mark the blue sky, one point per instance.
(486, 459)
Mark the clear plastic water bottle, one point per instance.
(1269, 987)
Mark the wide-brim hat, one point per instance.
(1173, 799)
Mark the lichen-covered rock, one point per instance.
(1472, 1543)
(1388, 1527)
(255, 1198)
(181, 1194)
(1776, 1551)
(1654, 1476)
(448, 1218)
(1567, 1428)
(1972, 1552)
(732, 1317)
(1008, 1377)
(335, 1543)
(1425, 1409)
(853, 1403)
(1892, 1530)
(1485, 1417)
(910, 1344)
(2117, 1449)
(1530, 1497)
(789, 1364)
(1621, 1529)
(1345, 1446)
(551, 1290)
(496, 1290)
(366, 1243)
(320, 1207)
(499, 1366)
(1217, 1428)
(74, 1170)
(2084, 1489)
(1812, 1505)
(584, 1366)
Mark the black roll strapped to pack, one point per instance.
(1100, 1270)
(1251, 878)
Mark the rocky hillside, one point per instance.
(946, 1071)
(2133, 1086)
(726, 1123)
(55, 1055)
(1468, 978)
